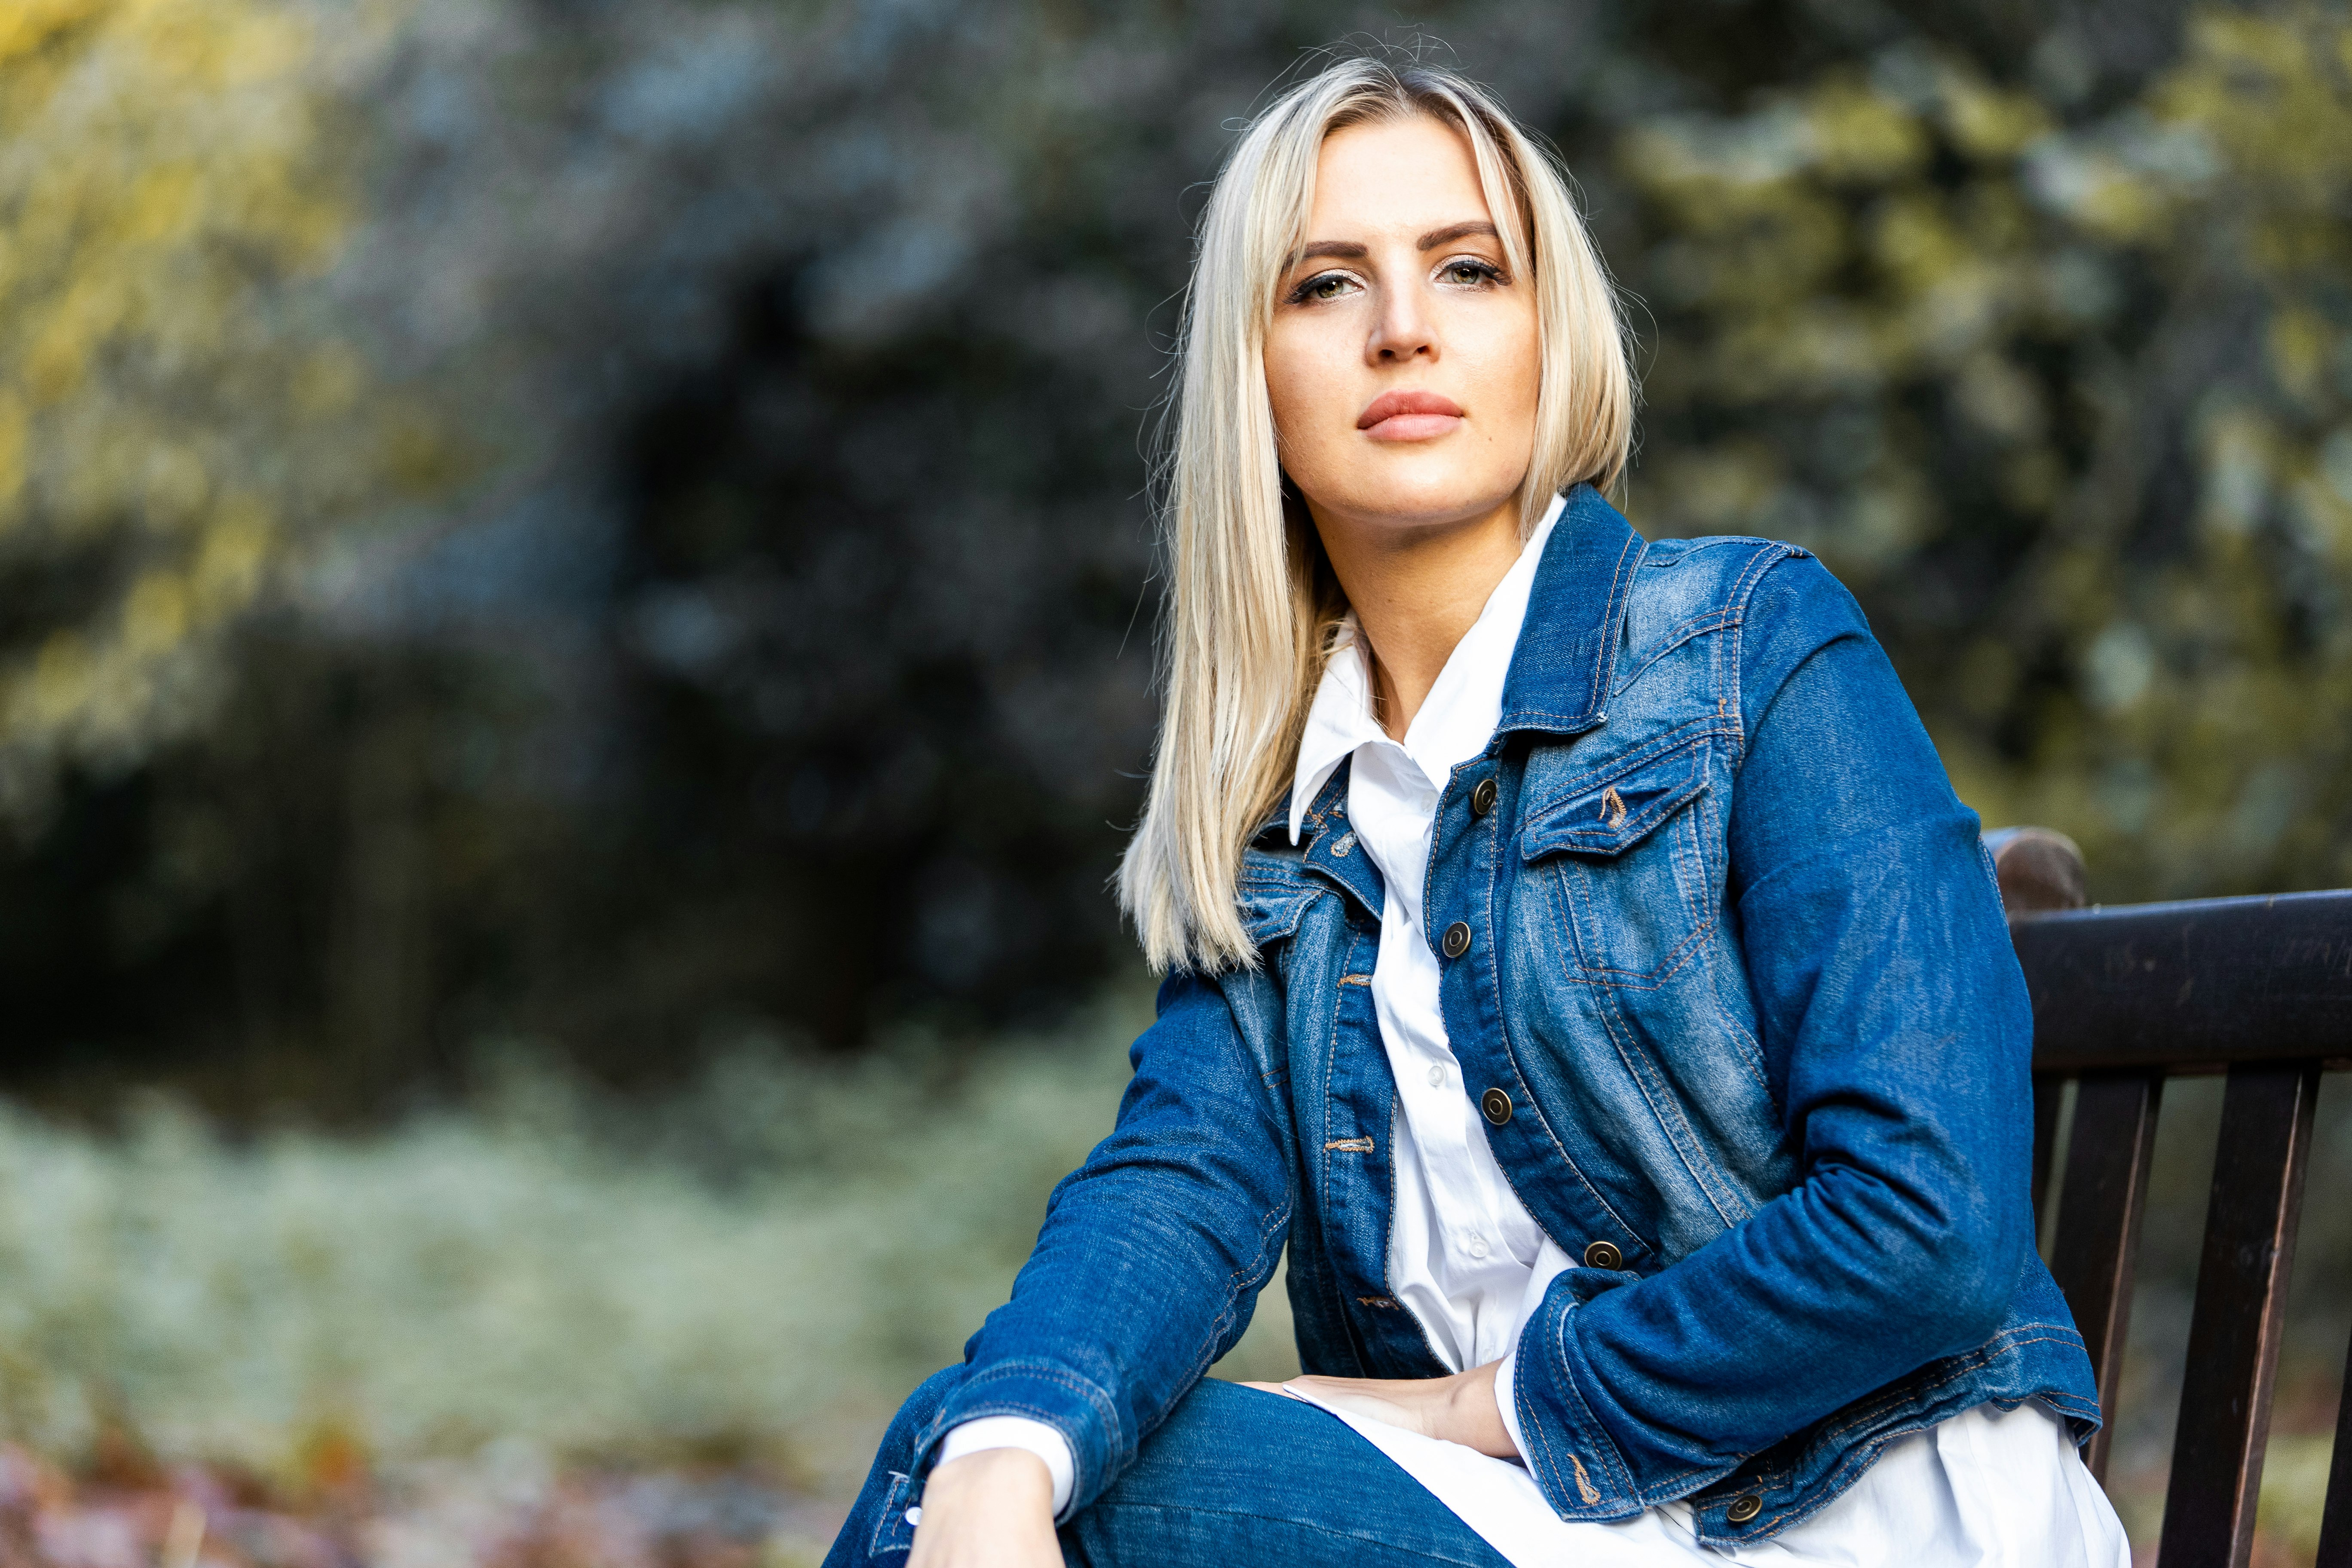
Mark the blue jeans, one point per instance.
(1235, 1475)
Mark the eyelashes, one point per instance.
(1469, 272)
(1482, 272)
(1314, 287)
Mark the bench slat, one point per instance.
(2098, 1224)
(2212, 981)
(2049, 1094)
(2233, 1333)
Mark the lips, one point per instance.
(1409, 416)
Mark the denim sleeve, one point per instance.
(1898, 1039)
(1151, 1256)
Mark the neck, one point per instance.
(1416, 592)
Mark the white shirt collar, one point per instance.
(1462, 709)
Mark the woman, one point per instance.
(1575, 956)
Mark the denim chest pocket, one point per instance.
(1627, 866)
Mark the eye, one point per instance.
(1323, 287)
(1470, 272)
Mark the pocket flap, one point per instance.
(1269, 919)
(1271, 897)
(1610, 815)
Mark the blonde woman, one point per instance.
(1576, 957)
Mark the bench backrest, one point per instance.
(2124, 998)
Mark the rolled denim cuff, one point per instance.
(1574, 1460)
(1052, 1450)
(1053, 1397)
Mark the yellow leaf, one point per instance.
(1858, 135)
(155, 617)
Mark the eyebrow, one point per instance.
(1437, 236)
(1349, 250)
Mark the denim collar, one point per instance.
(1568, 645)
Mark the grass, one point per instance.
(755, 1272)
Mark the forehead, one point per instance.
(1415, 173)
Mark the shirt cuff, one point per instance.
(1504, 1372)
(1020, 1432)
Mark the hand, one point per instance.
(1457, 1409)
(990, 1510)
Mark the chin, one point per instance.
(1427, 510)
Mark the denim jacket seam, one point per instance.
(1526, 1092)
(1620, 598)
(1605, 1445)
(891, 1514)
(1673, 637)
(1960, 1366)
(1853, 1458)
(1692, 732)
(1228, 1314)
(1563, 1373)
(1104, 1408)
(1535, 1104)
(1768, 554)
(1330, 1065)
(1663, 1489)
(1751, 1054)
(1601, 977)
(1751, 574)
(1665, 1110)
(1852, 1461)
(1530, 1423)
(1275, 1220)
(1577, 970)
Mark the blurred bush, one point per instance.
(2062, 389)
(166, 414)
(620, 525)
(751, 1271)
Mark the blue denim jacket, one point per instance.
(1738, 960)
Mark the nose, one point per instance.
(1403, 332)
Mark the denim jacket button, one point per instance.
(1496, 1105)
(1482, 799)
(1603, 1255)
(1456, 941)
(1746, 1508)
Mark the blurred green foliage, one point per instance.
(178, 410)
(2065, 400)
(752, 1268)
(616, 527)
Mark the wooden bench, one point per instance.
(2261, 990)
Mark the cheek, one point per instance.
(1301, 385)
(1510, 364)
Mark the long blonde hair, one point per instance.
(1250, 604)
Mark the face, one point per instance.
(1401, 360)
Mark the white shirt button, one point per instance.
(1436, 1077)
(1475, 1247)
